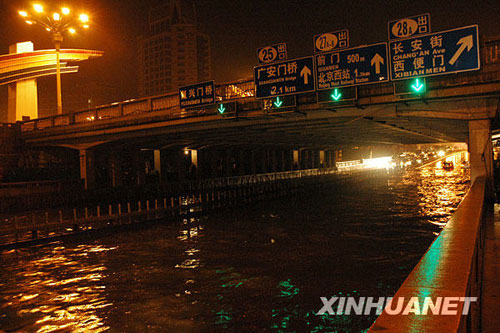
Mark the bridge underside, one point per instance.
(311, 132)
(309, 126)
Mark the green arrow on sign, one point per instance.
(336, 95)
(417, 86)
(278, 102)
(221, 108)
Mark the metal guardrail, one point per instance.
(168, 102)
(33, 184)
(215, 183)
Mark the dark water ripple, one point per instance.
(256, 268)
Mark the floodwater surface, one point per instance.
(261, 267)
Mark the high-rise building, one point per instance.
(173, 53)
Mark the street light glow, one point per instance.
(57, 26)
(84, 18)
(38, 8)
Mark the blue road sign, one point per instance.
(439, 53)
(352, 67)
(272, 53)
(196, 95)
(284, 78)
(331, 40)
(410, 26)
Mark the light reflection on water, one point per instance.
(261, 268)
(60, 290)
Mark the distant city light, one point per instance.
(56, 16)
(441, 153)
(23, 13)
(65, 10)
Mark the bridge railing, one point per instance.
(167, 103)
(451, 267)
(260, 178)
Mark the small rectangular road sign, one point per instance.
(196, 95)
(352, 67)
(284, 78)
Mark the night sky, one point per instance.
(237, 29)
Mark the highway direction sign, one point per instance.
(331, 40)
(284, 78)
(410, 26)
(196, 95)
(439, 53)
(272, 53)
(352, 67)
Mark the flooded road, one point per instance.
(262, 267)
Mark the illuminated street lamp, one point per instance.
(57, 23)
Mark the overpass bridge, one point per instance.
(455, 108)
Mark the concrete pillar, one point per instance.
(213, 164)
(140, 167)
(338, 156)
(480, 150)
(157, 161)
(228, 163)
(87, 168)
(283, 161)
(253, 163)
(322, 163)
(295, 160)
(241, 162)
(261, 161)
(274, 161)
(193, 164)
(115, 169)
(22, 95)
(183, 158)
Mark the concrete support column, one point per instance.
(253, 163)
(322, 163)
(228, 163)
(115, 169)
(274, 161)
(157, 161)
(338, 155)
(262, 161)
(283, 160)
(140, 167)
(241, 162)
(182, 163)
(480, 150)
(87, 168)
(22, 95)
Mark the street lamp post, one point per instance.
(59, 23)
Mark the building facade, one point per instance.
(174, 52)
